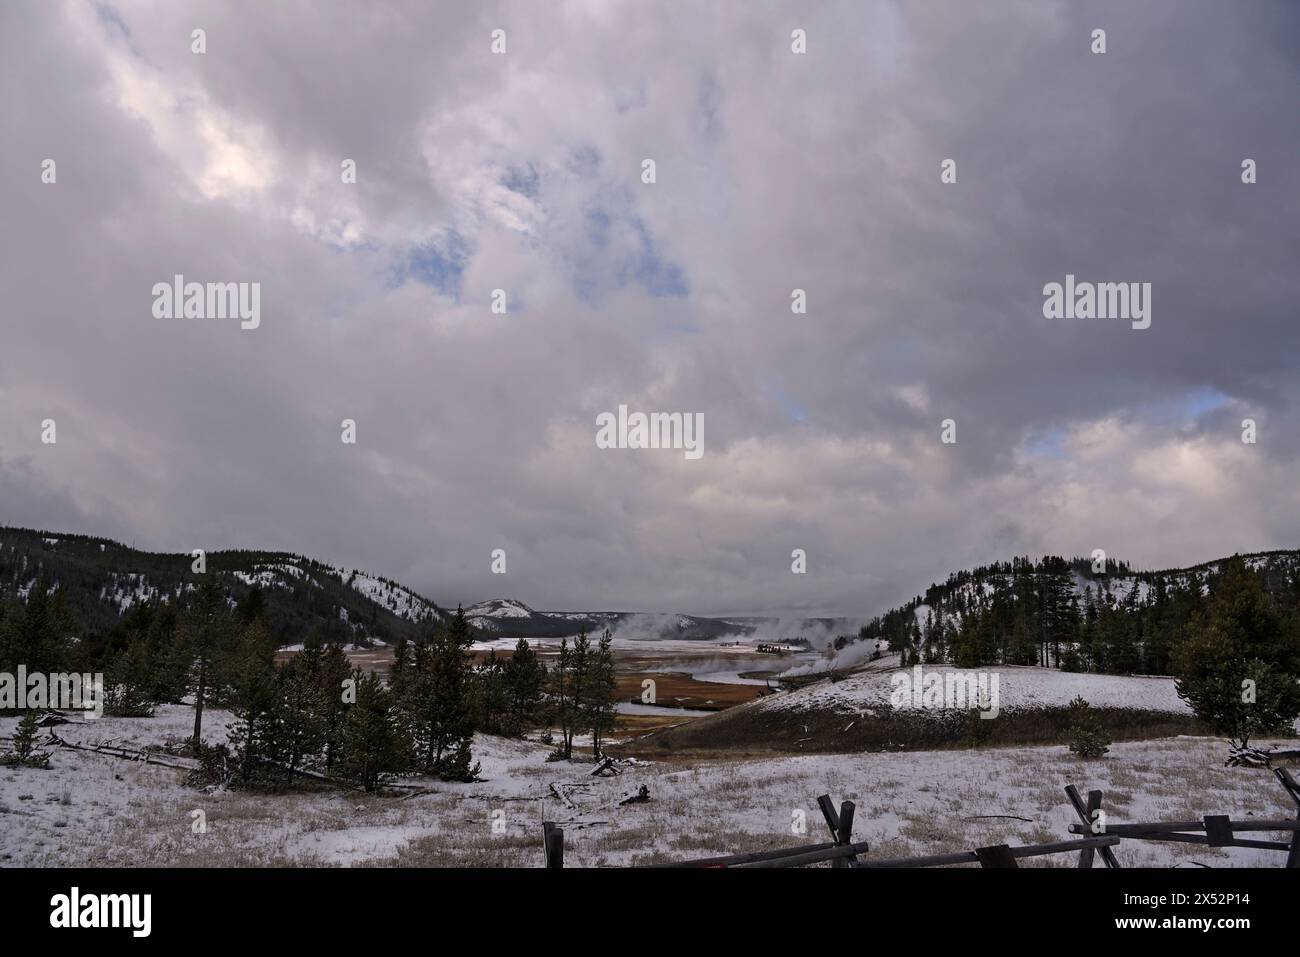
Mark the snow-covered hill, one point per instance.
(499, 608)
(1018, 687)
(103, 581)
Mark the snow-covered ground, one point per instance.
(94, 810)
(401, 601)
(499, 608)
(1018, 687)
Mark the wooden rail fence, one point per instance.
(842, 851)
(1213, 830)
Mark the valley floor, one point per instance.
(93, 810)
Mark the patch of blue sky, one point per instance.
(601, 265)
(440, 264)
(1188, 406)
(1204, 399)
(1182, 409)
(660, 277)
(585, 161)
(112, 20)
(790, 408)
(111, 17)
(1048, 444)
(597, 224)
(616, 249)
(524, 180)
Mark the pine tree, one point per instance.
(601, 708)
(568, 679)
(24, 740)
(253, 700)
(399, 672)
(251, 607)
(373, 744)
(985, 639)
(491, 702)
(1060, 612)
(299, 727)
(966, 645)
(38, 634)
(128, 681)
(22, 749)
(579, 682)
(1021, 650)
(1087, 740)
(931, 637)
(203, 633)
(1121, 643)
(168, 667)
(439, 708)
(1159, 639)
(1239, 667)
(525, 685)
(334, 671)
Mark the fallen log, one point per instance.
(326, 778)
(124, 754)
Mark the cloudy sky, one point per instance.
(774, 171)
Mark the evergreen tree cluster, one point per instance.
(312, 712)
(582, 691)
(104, 582)
(1062, 614)
(316, 713)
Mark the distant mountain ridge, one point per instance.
(511, 618)
(104, 579)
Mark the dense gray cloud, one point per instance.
(775, 171)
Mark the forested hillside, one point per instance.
(1065, 614)
(101, 585)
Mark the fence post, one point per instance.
(840, 826)
(1218, 830)
(832, 821)
(1293, 789)
(997, 856)
(846, 829)
(1087, 856)
(553, 843)
(1085, 812)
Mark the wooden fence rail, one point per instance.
(1214, 830)
(844, 852)
(999, 855)
(756, 857)
(840, 851)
